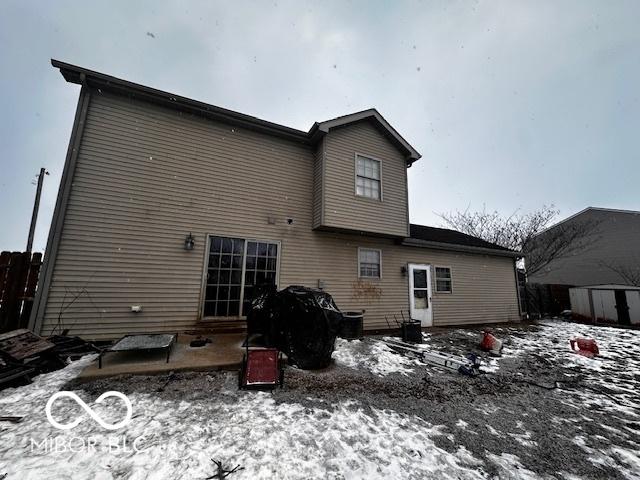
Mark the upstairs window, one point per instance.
(369, 263)
(368, 178)
(443, 280)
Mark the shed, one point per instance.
(606, 303)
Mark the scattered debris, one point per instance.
(587, 347)
(221, 473)
(11, 419)
(170, 378)
(490, 343)
(19, 345)
(469, 365)
(199, 342)
(24, 354)
(72, 347)
(11, 372)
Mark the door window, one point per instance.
(420, 289)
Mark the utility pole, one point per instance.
(36, 206)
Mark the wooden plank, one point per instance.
(14, 290)
(22, 343)
(30, 289)
(5, 257)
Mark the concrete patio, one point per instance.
(223, 353)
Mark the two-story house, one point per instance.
(171, 211)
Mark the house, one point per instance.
(171, 212)
(607, 252)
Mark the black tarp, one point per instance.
(301, 322)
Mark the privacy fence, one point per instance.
(18, 280)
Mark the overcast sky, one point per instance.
(512, 104)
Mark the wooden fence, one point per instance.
(18, 280)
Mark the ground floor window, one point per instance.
(235, 268)
(443, 280)
(369, 263)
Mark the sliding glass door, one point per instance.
(236, 268)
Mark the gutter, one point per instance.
(415, 242)
(97, 80)
(79, 75)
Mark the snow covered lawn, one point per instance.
(374, 414)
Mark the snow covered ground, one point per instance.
(303, 433)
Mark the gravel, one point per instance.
(547, 412)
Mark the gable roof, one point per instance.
(84, 76)
(584, 211)
(445, 239)
(321, 128)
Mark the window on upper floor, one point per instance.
(368, 182)
(369, 262)
(443, 280)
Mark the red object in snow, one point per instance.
(262, 368)
(490, 343)
(586, 346)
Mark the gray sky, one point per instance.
(513, 104)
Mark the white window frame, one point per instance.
(450, 279)
(205, 268)
(360, 249)
(355, 176)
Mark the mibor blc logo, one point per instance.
(98, 442)
(92, 414)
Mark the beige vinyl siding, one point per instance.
(343, 209)
(147, 176)
(483, 287)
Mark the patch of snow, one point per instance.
(374, 356)
(524, 439)
(511, 468)
(462, 424)
(268, 439)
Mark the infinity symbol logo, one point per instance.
(88, 409)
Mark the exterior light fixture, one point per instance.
(403, 271)
(189, 242)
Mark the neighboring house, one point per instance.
(608, 253)
(182, 208)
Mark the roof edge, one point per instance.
(83, 76)
(92, 78)
(416, 242)
(585, 210)
(319, 128)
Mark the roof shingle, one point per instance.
(444, 235)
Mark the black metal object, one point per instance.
(299, 321)
(351, 326)
(411, 332)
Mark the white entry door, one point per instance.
(420, 293)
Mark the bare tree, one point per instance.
(629, 273)
(528, 233)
